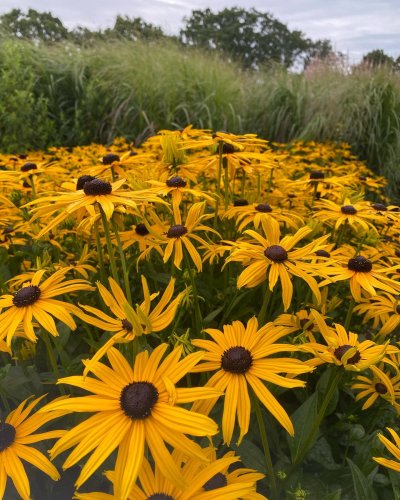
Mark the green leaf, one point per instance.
(362, 485)
(251, 455)
(303, 419)
(321, 453)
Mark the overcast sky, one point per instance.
(354, 26)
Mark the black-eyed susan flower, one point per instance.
(134, 405)
(262, 214)
(383, 310)
(393, 448)
(178, 237)
(271, 259)
(130, 322)
(380, 384)
(90, 192)
(176, 187)
(35, 301)
(205, 480)
(241, 354)
(16, 434)
(364, 275)
(343, 348)
(356, 215)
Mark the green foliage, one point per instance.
(34, 25)
(253, 37)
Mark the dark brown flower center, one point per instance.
(26, 296)
(110, 158)
(141, 229)
(23, 156)
(398, 309)
(176, 231)
(176, 182)
(240, 202)
(263, 207)
(322, 253)
(217, 481)
(236, 360)
(127, 325)
(317, 175)
(227, 149)
(28, 166)
(348, 210)
(97, 187)
(276, 253)
(160, 496)
(380, 207)
(341, 351)
(360, 264)
(7, 435)
(380, 388)
(80, 183)
(137, 399)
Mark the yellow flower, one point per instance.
(380, 385)
(363, 275)
(90, 192)
(134, 405)
(129, 322)
(343, 348)
(356, 215)
(262, 214)
(273, 259)
(202, 479)
(241, 356)
(16, 433)
(384, 310)
(178, 236)
(393, 448)
(35, 301)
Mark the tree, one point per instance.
(134, 28)
(34, 25)
(254, 37)
(378, 57)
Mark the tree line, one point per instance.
(252, 37)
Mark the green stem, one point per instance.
(123, 262)
(100, 255)
(271, 176)
(258, 186)
(243, 184)
(52, 359)
(267, 454)
(314, 193)
(349, 315)
(264, 307)
(197, 312)
(226, 186)
(219, 175)
(110, 249)
(334, 380)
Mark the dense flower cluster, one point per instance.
(174, 293)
